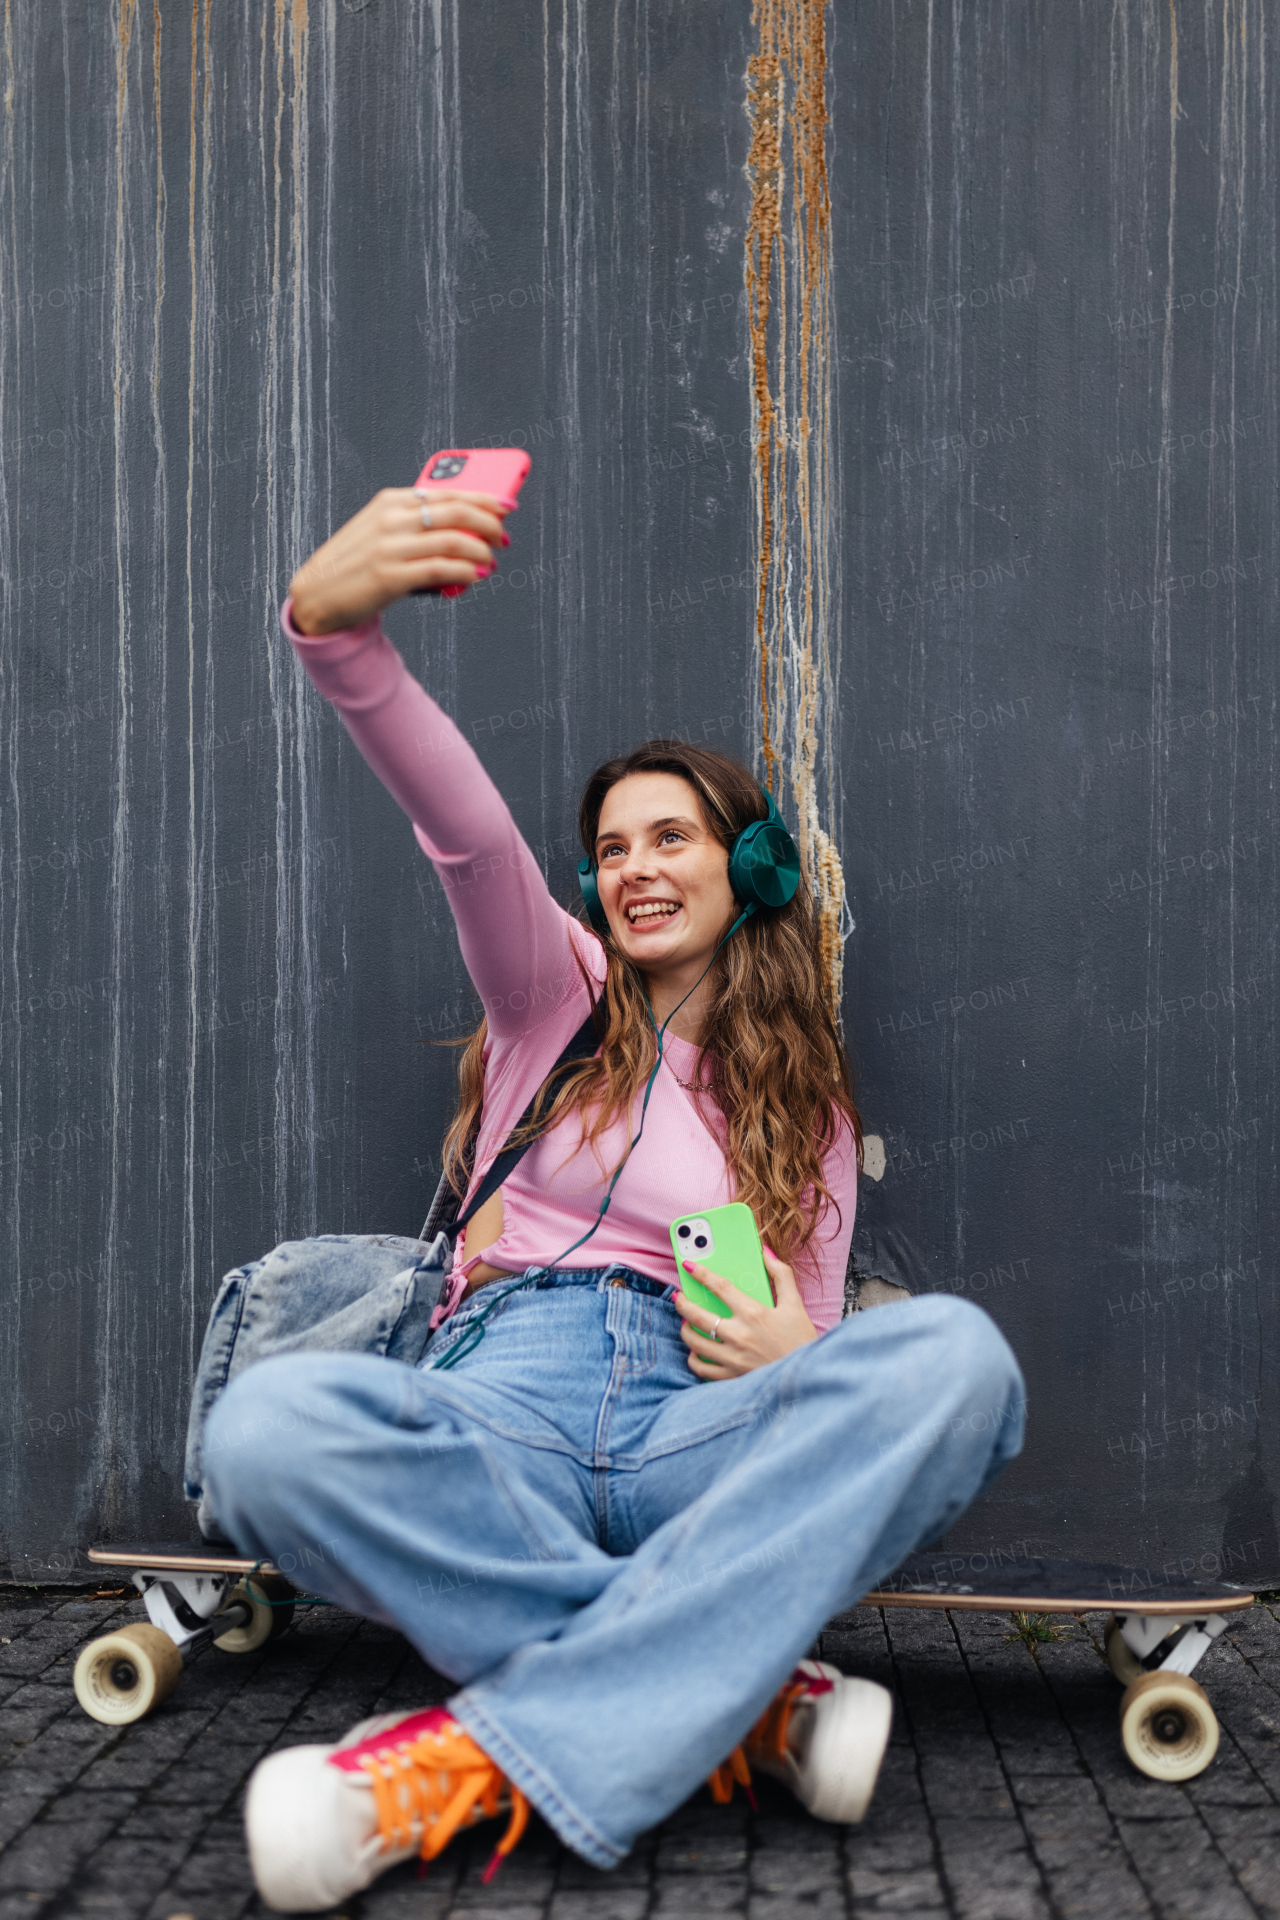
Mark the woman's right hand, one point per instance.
(384, 551)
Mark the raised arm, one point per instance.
(515, 940)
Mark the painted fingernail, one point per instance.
(772, 1255)
(481, 571)
(506, 539)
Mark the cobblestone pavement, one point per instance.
(1005, 1794)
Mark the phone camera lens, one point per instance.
(701, 1240)
(682, 1233)
(447, 466)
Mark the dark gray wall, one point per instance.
(248, 278)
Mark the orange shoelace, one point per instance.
(443, 1781)
(768, 1737)
(721, 1781)
(767, 1740)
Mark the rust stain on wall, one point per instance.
(125, 32)
(788, 248)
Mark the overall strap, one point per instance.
(444, 1216)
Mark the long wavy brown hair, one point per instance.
(778, 1069)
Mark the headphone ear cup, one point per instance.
(591, 896)
(764, 866)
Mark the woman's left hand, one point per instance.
(755, 1334)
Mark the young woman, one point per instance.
(615, 1519)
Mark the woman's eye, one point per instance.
(672, 833)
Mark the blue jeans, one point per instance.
(618, 1563)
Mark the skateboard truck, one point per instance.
(184, 1605)
(1187, 1641)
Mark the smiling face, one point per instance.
(663, 875)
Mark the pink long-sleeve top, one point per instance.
(522, 952)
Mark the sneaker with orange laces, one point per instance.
(322, 1822)
(824, 1735)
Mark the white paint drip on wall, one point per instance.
(225, 873)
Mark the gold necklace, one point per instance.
(690, 1086)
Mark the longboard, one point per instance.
(1048, 1586)
(197, 1594)
(169, 1556)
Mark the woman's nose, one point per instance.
(638, 865)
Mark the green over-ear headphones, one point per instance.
(764, 868)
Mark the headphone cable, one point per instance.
(467, 1344)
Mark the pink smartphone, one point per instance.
(497, 470)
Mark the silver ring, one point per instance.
(714, 1324)
(426, 516)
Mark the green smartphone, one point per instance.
(726, 1241)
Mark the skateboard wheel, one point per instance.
(1170, 1731)
(1121, 1658)
(268, 1621)
(124, 1674)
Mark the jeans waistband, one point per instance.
(475, 1311)
(537, 1279)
